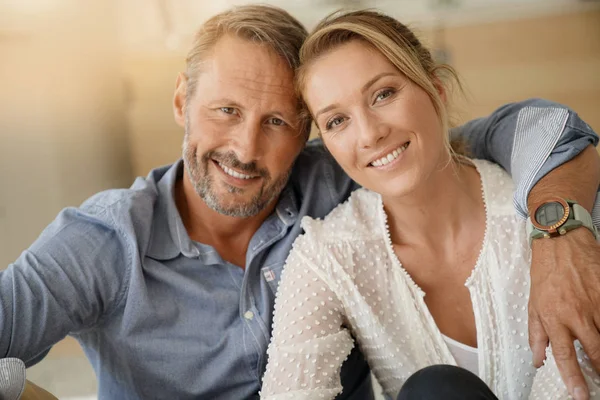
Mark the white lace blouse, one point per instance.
(343, 281)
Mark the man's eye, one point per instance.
(276, 121)
(334, 122)
(228, 110)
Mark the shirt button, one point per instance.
(248, 315)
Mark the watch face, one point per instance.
(550, 214)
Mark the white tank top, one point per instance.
(466, 356)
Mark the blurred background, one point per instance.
(86, 87)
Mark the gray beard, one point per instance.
(197, 170)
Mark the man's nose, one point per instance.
(248, 140)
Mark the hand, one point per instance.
(564, 303)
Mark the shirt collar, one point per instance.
(169, 237)
(287, 207)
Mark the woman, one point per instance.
(428, 264)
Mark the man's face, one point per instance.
(241, 128)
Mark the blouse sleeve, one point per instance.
(309, 344)
(548, 384)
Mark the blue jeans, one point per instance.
(445, 382)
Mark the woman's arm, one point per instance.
(309, 344)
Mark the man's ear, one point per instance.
(179, 99)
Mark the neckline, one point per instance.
(484, 244)
(456, 343)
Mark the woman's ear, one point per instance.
(441, 89)
(179, 99)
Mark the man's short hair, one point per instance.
(267, 25)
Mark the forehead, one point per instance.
(239, 67)
(343, 71)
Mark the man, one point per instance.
(169, 285)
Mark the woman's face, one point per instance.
(380, 127)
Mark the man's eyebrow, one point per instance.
(225, 102)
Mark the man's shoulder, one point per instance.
(316, 175)
(129, 210)
(112, 220)
(137, 199)
(313, 157)
(121, 202)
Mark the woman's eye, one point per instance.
(334, 122)
(384, 94)
(276, 121)
(228, 110)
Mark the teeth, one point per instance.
(233, 173)
(390, 157)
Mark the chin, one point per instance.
(234, 196)
(233, 208)
(399, 187)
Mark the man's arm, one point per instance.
(66, 281)
(565, 275)
(529, 139)
(547, 149)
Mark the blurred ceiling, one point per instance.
(172, 22)
(168, 25)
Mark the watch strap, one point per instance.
(581, 214)
(529, 228)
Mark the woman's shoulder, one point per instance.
(356, 218)
(497, 187)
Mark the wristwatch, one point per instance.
(556, 217)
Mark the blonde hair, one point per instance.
(395, 41)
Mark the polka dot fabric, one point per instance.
(343, 280)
